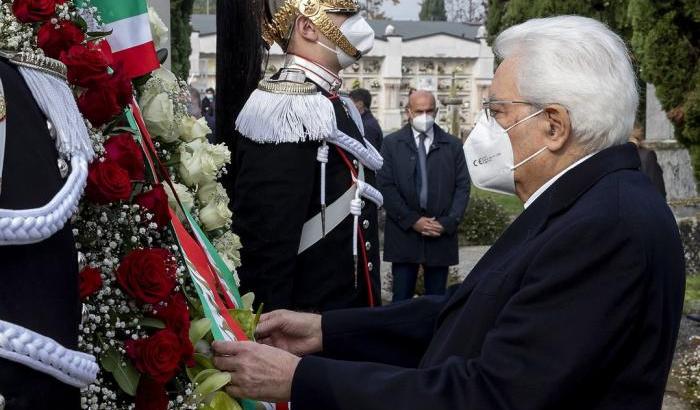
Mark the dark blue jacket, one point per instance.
(575, 307)
(448, 194)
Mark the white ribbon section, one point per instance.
(45, 355)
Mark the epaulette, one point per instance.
(38, 62)
(286, 109)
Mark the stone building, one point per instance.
(451, 59)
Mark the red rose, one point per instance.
(156, 201)
(107, 182)
(90, 282)
(147, 275)
(151, 395)
(123, 150)
(176, 316)
(31, 11)
(87, 66)
(122, 86)
(158, 356)
(54, 39)
(103, 102)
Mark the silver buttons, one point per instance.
(365, 224)
(2, 402)
(355, 163)
(63, 167)
(370, 265)
(363, 204)
(368, 245)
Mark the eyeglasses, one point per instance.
(486, 104)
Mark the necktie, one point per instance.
(422, 162)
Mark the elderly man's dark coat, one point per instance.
(575, 307)
(448, 195)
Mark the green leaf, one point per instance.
(211, 384)
(123, 371)
(246, 319)
(152, 322)
(222, 401)
(248, 300)
(199, 329)
(203, 361)
(203, 375)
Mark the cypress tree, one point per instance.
(433, 10)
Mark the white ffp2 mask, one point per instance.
(490, 155)
(359, 34)
(423, 122)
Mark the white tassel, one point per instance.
(322, 157)
(57, 102)
(276, 118)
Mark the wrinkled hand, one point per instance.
(258, 372)
(297, 333)
(428, 227)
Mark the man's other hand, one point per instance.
(297, 333)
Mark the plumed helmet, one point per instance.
(280, 16)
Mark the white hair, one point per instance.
(581, 64)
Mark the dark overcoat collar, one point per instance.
(558, 198)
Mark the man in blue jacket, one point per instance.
(425, 184)
(576, 306)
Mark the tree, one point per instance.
(180, 13)
(372, 9)
(664, 37)
(433, 10)
(466, 11)
(666, 41)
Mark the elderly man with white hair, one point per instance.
(576, 306)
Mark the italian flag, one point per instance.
(131, 40)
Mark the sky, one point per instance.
(405, 10)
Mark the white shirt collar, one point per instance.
(554, 179)
(429, 136)
(320, 75)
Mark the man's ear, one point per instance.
(559, 126)
(306, 29)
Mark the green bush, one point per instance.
(483, 222)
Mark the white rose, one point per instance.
(215, 215)
(186, 198)
(166, 76)
(194, 129)
(159, 115)
(210, 191)
(158, 28)
(220, 154)
(197, 166)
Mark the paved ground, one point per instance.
(469, 256)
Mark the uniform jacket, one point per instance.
(39, 282)
(576, 306)
(277, 189)
(448, 195)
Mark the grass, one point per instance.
(692, 294)
(511, 203)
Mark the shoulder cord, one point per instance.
(45, 355)
(26, 226)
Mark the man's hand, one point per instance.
(428, 227)
(258, 372)
(297, 333)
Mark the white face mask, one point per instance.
(423, 122)
(359, 33)
(490, 155)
